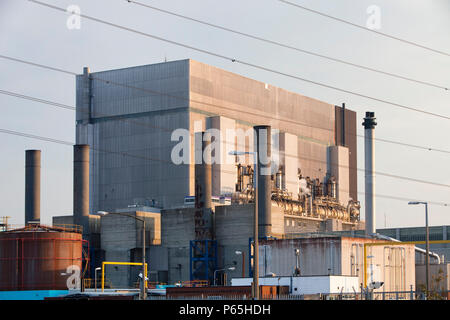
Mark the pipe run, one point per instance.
(435, 255)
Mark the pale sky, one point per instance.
(35, 33)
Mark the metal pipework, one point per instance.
(81, 186)
(32, 186)
(203, 185)
(264, 188)
(369, 155)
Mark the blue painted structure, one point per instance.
(203, 259)
(31, 295)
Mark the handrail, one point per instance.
(30, 227)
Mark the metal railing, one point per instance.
(90, 283)
(392, 295)
(30, 227)
(195, 283)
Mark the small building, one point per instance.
(237, 291)
(367, 259)
(307, 284)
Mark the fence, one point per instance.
(395, 295)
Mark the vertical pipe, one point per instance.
(144, 266)
(103, 276)
(369, 155)
(32, 186)
(203, 188)
(427, 258)
(343, 125)
(207, 171)
(255, 289)
(81, 186)
(263, 144)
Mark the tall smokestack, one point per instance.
(32, 186)
(264, 188)
(369, 155)
(81, 186)
(203, 186)
(343, 125)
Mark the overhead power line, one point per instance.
(56, 104)
(247, 63)
(68, 143)
(283, 45)
(134, 122)
(364, 28)
(205, 103)
(195, 101)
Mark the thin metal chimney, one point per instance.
(32, 186)
(81, 186)
(343, 125)
(203, 187)
(369, 155)
(264, 188)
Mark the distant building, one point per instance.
(436, 233)
(127, 117)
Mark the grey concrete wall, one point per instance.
(94, 222)
(252, 99)
(138, 123)
(234, 227)
(59, 220)
(321, 256)
(295, 224)
(121, 239)
(177, 231)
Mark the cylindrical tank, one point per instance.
(38, 258)
(263, 138)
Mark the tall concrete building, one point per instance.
(143, 126)
(128, 117)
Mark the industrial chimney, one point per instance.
(81, 186)
(203, 187)
(369, 155)
(264, 187)
(32, 186)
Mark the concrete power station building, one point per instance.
(139, 118)
(130, 126)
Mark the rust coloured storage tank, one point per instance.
(37, 257)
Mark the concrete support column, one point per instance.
(81, 186)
